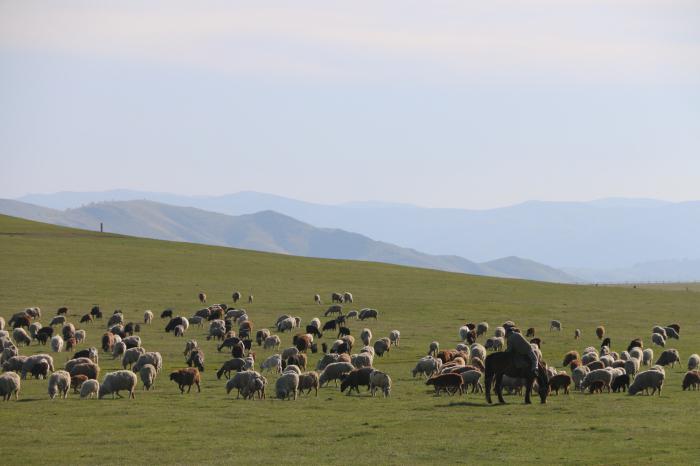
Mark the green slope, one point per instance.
(49, 266)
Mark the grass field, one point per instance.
(49, 267)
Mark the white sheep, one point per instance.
(361, 360)
(555, 325)
(658, 339)
(59, 383)
(367, 349)
(273, 341)
(478, 351)
(395, 338)
(379, 380)
(653, 379)
(119, 349)
(598, 375)
(80, 336)
(148, 375)
(334, 372)
(287, 386)
(240, 380)
(34, 359)
(427, 366)
(153, 357)
(637, 352)
(273, 363)
(20, 336)
(494, 343)
(116, 381)
(147, 317)
(500, 332)
(463, 333)
(292, 368)
(588, 358)
(693, 362)
(578, 374)
(647, 356)
(89, 388)
(131, 356)
(472, 378)
(632, 366)
(9, 384)
(57, 343)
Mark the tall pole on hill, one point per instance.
(101, 229)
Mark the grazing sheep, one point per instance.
(478, 351)
(116, 381)
(59, 383)
(560, 382)
(555, 325)
(186, 378)
(691, 379)
(9, 384)
(671, 333)
(632, 366)
(395, 338)
(58, 320)
(379, 380)
(620, 383)
(334, 309)
(241, 380)
(287, 386)
(334, 371)
(598, 375)
(80, 336)
(361, 360)
(273, 363)
(658, 339)
(235, 364)
(309, 381)
(578, 374)
(147, 317)
(71, 363)
(450, 383)
(645, 380)
(577, 334)
(464, 332)
(262, 335)
(638, 353)
(20, 336)
(90, 370)
(255, 386)
(355, 378)
(40, 370)
(570, 356)
(57, 344)
(669, 356)
(14, 364)
(196, 359)
(693, 362)
(34, 359)
(494, 343)
(368, 314)
(77, 381)
(647, 356)
(154, 358)
(471, 378)
(89, 388)
(482, 328)
(382, 346)
(317, 299)
(148, 375)
(131, 356)
(366, 336)
(118, 350)
(298, 360)
(336, 297)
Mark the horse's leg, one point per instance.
(499, 387)
(528, 389)
(487, 381)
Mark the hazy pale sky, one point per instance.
(441, 103)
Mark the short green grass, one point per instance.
(49, 267)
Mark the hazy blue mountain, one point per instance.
(602, 234)
(264, 231)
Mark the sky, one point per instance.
(466, 104)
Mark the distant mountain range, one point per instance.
(603, 240)
(265, 231)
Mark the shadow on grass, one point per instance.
(473, 404)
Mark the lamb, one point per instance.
(58, 320)
(658, 339)
(317, 299)
(90, 370)
(647, 356)
(148, 375)
(274, 362)
(186, 378)
(272, 341)
(471, 378)
(598, 375)
(287, 386)
(671, 333)
(154, 358)
(555, 325)
(382, 346)
(34, 359)
(59, 383)
(691, 379)
(482, 328)
(108, 342)
(131, 356)
(451, 383)
(670, 356)
(240, 380)
(693, 362)
(80, 336)
(57, 344)
(309, 381)
(366, 336)
(620, 383)
(379, 380)
(116, 381)
(334, 371)
(9, 384)
(76, 382)
(261, 335)
(20, 336)
(351, 314)
(648, 379)
(89, 388)
(559, 382)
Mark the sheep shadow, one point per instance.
(471, 404)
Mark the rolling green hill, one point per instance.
(49, 266)
(265, 231)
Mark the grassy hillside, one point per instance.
(49, 266)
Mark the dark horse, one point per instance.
(503, 363)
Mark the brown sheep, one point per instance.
(40, 370)
(186, 378)
(560, 381)
(298, 360)
(691, 379)
(308, 381)
(574, 364)
(600, 332)
(530, 332)
(570, 356)
(446, 355)
(595, 365)
(478, 364)
(76, 381)
(302, 341)
(91, 371)
(451, 383)
(71, 343)
(108, 342)
(202, 297)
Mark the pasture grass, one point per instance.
(49, 267)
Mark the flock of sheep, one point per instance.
(449, 370)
